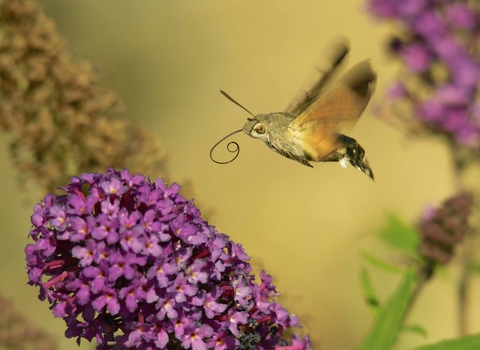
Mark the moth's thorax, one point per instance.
(274, 123)
(277, 134)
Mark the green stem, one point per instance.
(464, 285)
(424, 273)
(468, 251)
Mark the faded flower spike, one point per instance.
(131, 263)
(444, 227)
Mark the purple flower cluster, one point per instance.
(441, 229)
(132, 263)
(438, 43)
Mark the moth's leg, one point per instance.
(338, 156)
(335, 156)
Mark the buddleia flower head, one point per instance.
(131, 263)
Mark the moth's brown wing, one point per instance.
(322, 75)
(338, 108)
(317, 139)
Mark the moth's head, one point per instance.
(256, 127)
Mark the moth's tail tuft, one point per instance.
(363, 166)
(355, 154)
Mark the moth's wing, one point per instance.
(317, 140)
(338, 108)
(323, 73)
(344, 101)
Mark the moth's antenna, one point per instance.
(238, 104)
(235, 150)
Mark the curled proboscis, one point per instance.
(232, 147)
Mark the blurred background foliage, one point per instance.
(167, 61)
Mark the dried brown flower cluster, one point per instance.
(16, 333)
(62, 123)
(444, 227)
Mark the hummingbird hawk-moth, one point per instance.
(309, 129)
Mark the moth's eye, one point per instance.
(260, 128)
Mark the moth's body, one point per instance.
(308, 130)
(288, 142)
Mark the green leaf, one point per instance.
(400, 235)
(390, 318)
(471, 342)
(368, 292)
(383, 265)
(413, 328)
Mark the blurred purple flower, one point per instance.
(384, 9)
(428, 24)
(397, 90)
(417, 57)
(460, 16)
(437, 43)
(442, 228)
(131, 263)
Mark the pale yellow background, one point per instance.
(168, 60)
